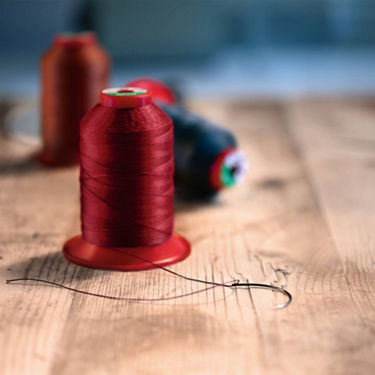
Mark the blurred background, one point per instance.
(211, 47)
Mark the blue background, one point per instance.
(211, 47)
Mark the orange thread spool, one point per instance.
(73, 73)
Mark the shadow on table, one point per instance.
(56, 269)
(185, 202)
(24, 165)
(53, 267)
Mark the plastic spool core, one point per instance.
(125, 97)
(228, 169)
(126, 91)
(79, 251)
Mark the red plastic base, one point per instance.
(79, 251)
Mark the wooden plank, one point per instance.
(33, 225)
(336, 143)
(273, 228)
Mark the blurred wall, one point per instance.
(29, 25)
(178, 28)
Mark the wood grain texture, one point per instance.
(304, 219)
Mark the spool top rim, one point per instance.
(125, 97)
(75, 39)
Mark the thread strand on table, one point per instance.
(229, 284)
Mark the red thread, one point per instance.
(73, 72)
(127, 166)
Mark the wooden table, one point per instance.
(304, 219)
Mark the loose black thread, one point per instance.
(229, 284)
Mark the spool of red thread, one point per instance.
(73, 73)
(127, 191)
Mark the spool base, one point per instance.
(81, 252)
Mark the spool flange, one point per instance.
(81, 252)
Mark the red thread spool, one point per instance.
(73, 73)
(127, 191)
